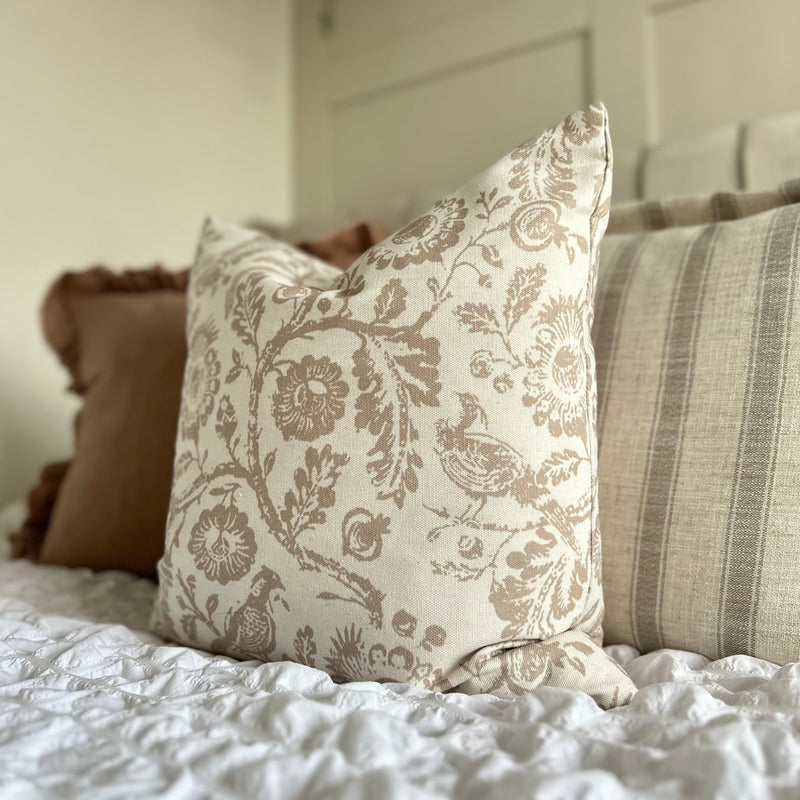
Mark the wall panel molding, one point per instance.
(467, 65)
(447, 121)
(664, 68)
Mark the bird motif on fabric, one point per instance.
(480, 464)
(250, 629)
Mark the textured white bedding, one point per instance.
(91, 706)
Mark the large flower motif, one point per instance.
(222, 544)
(362, 534)
(556, 383)
(201, 380)
(309, 399)
(424, 239)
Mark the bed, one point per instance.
(91, 704)
(99, 705)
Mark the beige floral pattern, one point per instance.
(222, 543)
(517, 592)
(425, 239)
(536, 225)
(201, 379)
(523, 667)
(435, 636)
(470, 547)
(481, 465)
(309, 398)
(349, 658)
(404, 624)
(406, 517)
(555, 383)
(348, 654)
(362, 534)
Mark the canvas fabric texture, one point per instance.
(652, 215)
(697, 340)
(395, 478)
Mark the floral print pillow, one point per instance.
(391, 475)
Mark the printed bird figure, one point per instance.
(480, 464)
(250, 629)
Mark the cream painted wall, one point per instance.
(123, 123)
(400, 94)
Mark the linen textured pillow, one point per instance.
(698, 359)
(653, 215)
(395, 479)
(122, 338)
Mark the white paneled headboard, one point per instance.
(757, 154)
(395, 99)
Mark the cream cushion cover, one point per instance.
(394, 477)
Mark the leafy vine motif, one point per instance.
(552, 369)
(530, 590)
(553, 381)
(553, 374)
(395, 369)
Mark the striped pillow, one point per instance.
(651, 215)
(697, 337)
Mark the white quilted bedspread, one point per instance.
(93, 707)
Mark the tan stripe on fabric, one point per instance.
(723, 206)
(632, 386)
(666, 439)
(693, 562)
(695, 500)
(790, 190)
(605, 333)
(777, 625)
(758, 444)
(685, 211)
(655, 215)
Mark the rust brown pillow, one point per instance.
(27, 541)
(344, 247)
(121, 337)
